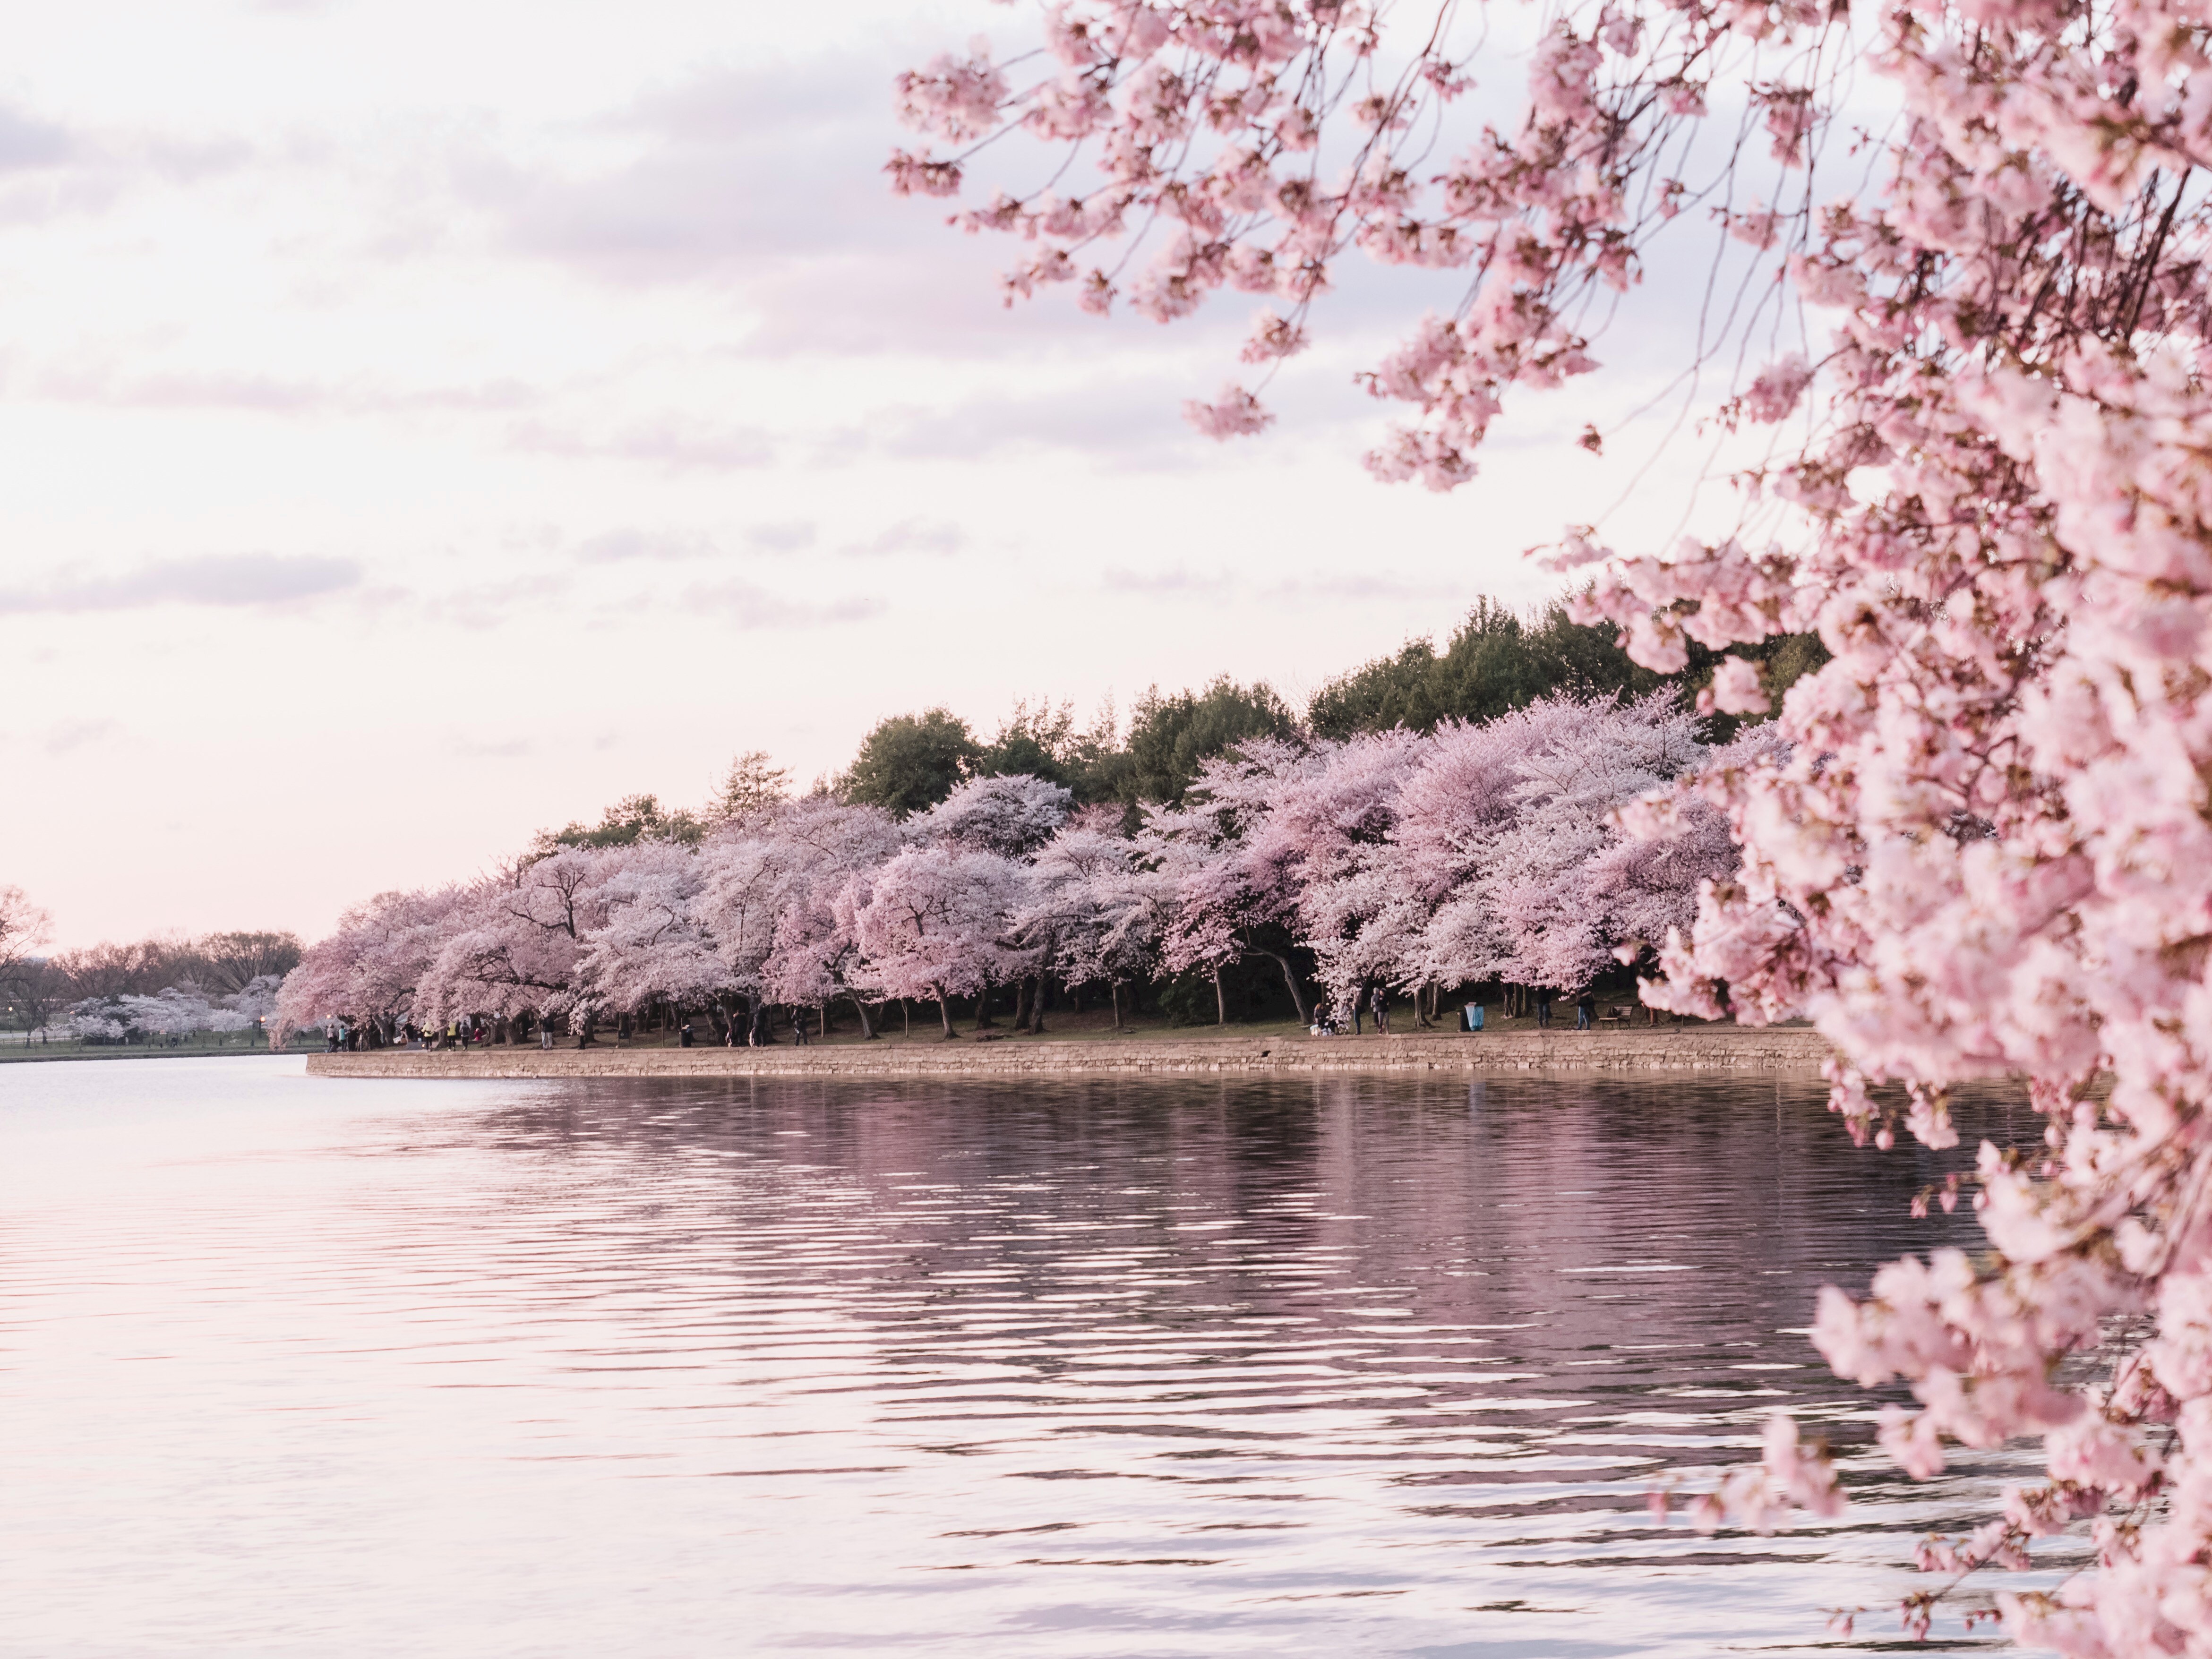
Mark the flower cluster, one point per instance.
(1251, 144)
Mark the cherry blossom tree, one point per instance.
(1987, 847)
(934, 923)
(372, 968)
(518, 942)
(1328, 831)
(1096, 910)
(826, 846)
(1551, 870)
(655, 945)
(1010, 816)
(1232, 901)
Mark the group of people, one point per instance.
(1585, 1010)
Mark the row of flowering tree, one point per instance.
(1415, 862)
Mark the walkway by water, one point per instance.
(1675, 1047)
(1322, 1367)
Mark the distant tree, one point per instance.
(1171, 738)
(632, 819)
(24, 927)
(1497, 661)
(138, 968)
(231, 961)
(33, 991)
(754, 781)
(909, 762)
(1041, 740)
(1035, 741)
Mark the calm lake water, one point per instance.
(294, 1366)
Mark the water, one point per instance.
(300, 1367)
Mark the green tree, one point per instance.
(1170, 737)
(1497, 662)
(1042, 741)
(633, 818)
(909, 762)
(754, 781)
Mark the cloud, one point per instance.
(26, 142)
(788, 537)
(910, 536)
(271, 394)
(677, 446)
(768, 184)
(225, 579)
(48, 171)
(1134, 424)
(749, 605)
(72, 735)
(625, 546)
(726, 171)
(1291, 593)
(478, 749)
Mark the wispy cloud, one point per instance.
(481, 749)
(26, 142)
(788, 536)
(102, 386)
(1294, 592)
(629, 546)
(748, 604)
(910, 536)
(224, 580)
(72, 735)
(1128, 424)
(677, 446)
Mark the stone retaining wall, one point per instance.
(1667, 1048)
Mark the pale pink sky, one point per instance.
(428, 422)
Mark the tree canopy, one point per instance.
(909, 762)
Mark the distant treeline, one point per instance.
(1495, 662)
(219, 965)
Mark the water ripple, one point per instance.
(1107, 1368)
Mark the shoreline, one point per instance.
(1793, 1049)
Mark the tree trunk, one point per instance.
(1022, 1004)
(1114, 987)
(1037, 1000)
(1298, 991)
(906, 1018)
(983, 1020)
(867, 1029)
(944, 1015)
(1220, 999)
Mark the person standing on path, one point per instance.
(1585, 1010)
(1543, 1008)
(1380, 1005)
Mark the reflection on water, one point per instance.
(289, 1366)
